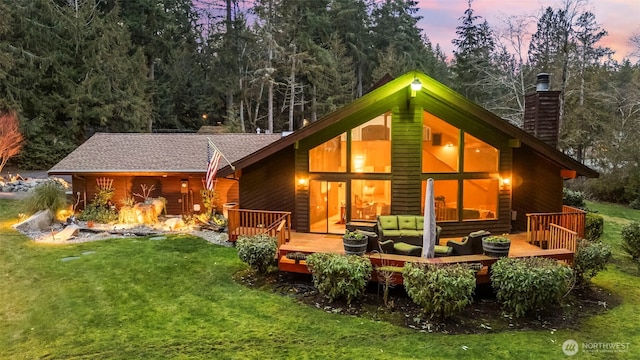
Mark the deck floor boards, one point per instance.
(311, 243)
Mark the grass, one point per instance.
(175, 299)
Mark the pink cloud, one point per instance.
(441, 17)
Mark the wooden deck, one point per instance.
(312, 243)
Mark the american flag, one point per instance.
(214, 155)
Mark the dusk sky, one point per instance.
(441, 17)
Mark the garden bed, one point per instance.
(484, 315)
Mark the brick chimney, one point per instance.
(542, 112)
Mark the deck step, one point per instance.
(289, 265)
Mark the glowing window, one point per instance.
(440, 145)
(480, 199)
(370, 198)
(330, 156)
(371, 146)
(479, 156)
(445, 199)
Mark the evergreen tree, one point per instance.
(159, 28)
(75, 73)
(351, 22)
(472, 56)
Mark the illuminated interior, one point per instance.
(370, 198)
(445, 199)
(330, 156)
(371, 146)
(478, 177)
(440, 145)
(480, 199)
(479, 156)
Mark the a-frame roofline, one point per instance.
(399, 88)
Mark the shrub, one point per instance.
(103, 215)
(635, 204)
(440, 290)
(257, 251)
(593, 227)
(49, 194)
(591, 258)
(529, 284)
(337, 275)
(100, 209)
(631, 239)
(573, 198)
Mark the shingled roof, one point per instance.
(153, 153)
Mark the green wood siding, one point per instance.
(270, 184)
(406, 164)
(540, 189)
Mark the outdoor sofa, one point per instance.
(403, 234)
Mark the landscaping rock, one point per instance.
(37, 222)
(174, 223)
(67, 233)
(19, 184)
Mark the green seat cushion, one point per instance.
(390, 233)
(401, 247)
(419, 222)
(406, 222)
(476, 233)
(395, 269)
(412, 233)
(440, 249)
(388, 222)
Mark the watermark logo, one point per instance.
(570, 347)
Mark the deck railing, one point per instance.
(562, 238)
(253, 222)
(539, 224)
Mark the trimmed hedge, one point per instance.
(530, 284)
(593, 227)
(631, 240)
(443, 290)
(591, 258)
(339, 276)
(257, 251)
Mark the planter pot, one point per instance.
(496, 249)
(354, 246)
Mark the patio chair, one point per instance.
(470, 245)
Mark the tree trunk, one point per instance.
(292, 86)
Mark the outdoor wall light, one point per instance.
(505, 182)
(416, 86)
(303, 184)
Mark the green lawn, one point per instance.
(175, 298)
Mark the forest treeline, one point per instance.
(70, 68)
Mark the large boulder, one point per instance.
(39, 221)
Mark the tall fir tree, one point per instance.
(472, 56)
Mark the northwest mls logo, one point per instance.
(570, 347)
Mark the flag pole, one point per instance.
(221, 153)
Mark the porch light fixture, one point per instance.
(302, 184)
(505, 182)
(416, 86)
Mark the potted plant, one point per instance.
(496, 245)
(355, 242)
